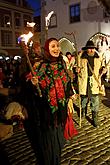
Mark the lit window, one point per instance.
(75, 13)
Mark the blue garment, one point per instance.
(93, 98)
(94, 102)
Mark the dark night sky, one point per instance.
(35, 4)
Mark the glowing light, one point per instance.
(47, 18)
(25, 37)
(30, 24)
(1, 57)
(17, 57)
(8, 23)
(7, 58)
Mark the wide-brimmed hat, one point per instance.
(89, 45)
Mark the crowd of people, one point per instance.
(47, 92)
(9, 78)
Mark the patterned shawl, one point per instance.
(53, 81)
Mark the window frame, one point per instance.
(76, 13)
(9, 18)
(53, 21)
(17, 17)
(6, 38)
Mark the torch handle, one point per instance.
(32, 71)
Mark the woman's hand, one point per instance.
(104, 70)
(74, 97)
(78, 69)
(25, 48)
(34, 80)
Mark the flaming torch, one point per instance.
(25, 38)
(47, 21)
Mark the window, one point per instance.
(5, 18)
(53, 21)
(17, 34)
(17, 20)
(25, 3)
(17, 2)
(7, 22)
(75, 13)
(26, 18)
(6, 38)
(92, 7)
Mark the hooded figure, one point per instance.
(55, 87)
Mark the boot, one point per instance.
(95, 118)
(82, 112)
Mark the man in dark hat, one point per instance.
(90, 63)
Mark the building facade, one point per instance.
(76, 21)
(14, 15)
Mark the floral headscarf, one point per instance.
(47, 55)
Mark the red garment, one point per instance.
(69, 130)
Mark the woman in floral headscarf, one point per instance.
(55, 87)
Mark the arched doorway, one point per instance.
(102, 42)
(66, 46)
(98, 40)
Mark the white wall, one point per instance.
(83, 30)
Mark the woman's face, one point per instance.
(54, 48)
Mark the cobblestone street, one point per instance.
(92, 145)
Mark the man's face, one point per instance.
(91, 51)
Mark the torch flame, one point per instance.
(30, 24)
(25, 37)
(47, 18)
